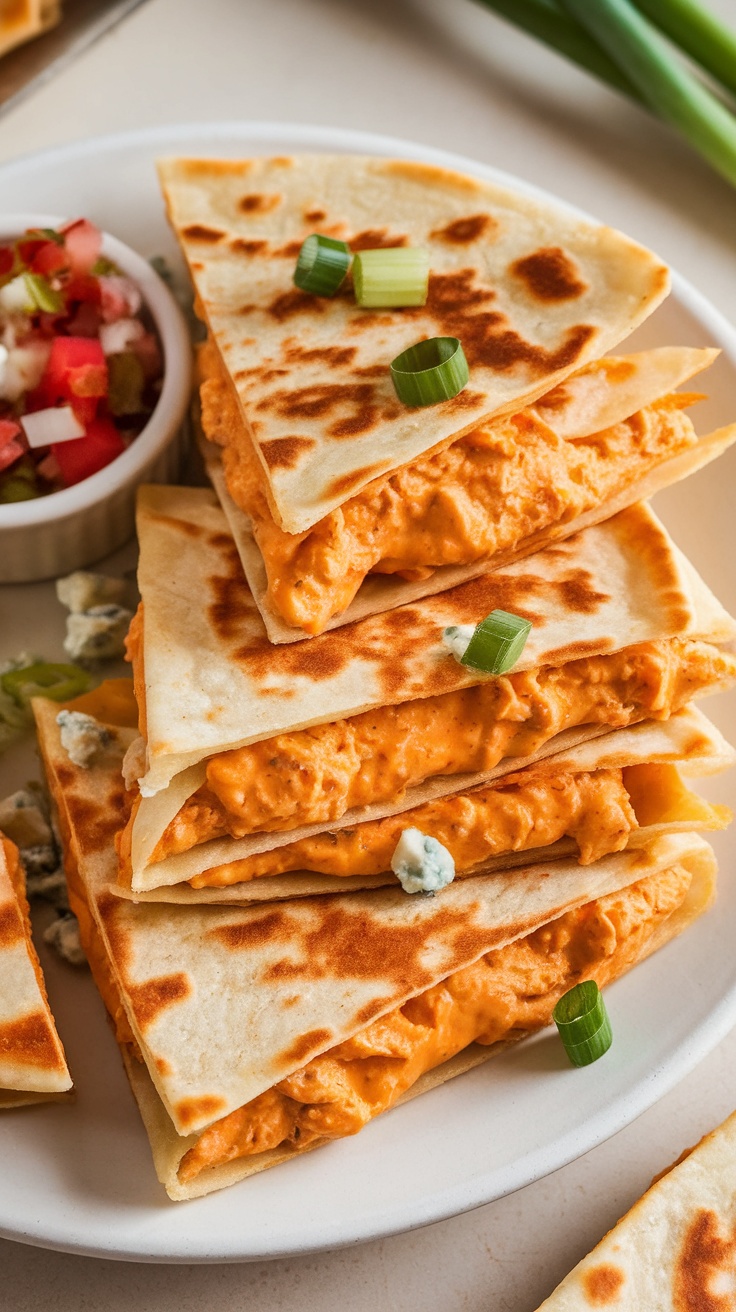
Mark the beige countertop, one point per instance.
(466, 83)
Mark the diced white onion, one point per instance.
(119, 336)
(57, 424)
(21, 368)
(15, 297)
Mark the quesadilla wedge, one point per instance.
(531, 290)
(32, 1063)
(261, 746)
(251, 1034)
(613, 433)
(674, 1250)
(22, 20)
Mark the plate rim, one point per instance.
(630, 1103)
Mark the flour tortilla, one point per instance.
(674, 1249)
(687, 739)
(225, 1002)
(32, 1063)
(532, 291)
(588, 407)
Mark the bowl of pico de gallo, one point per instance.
(95, 380)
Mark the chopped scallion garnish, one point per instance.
(321, 265)
(582, 1020)
(434, 370)
(42, 679)
(497, 642)
(391, 276)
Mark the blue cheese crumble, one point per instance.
(97, 634)
(82, 590)
(82, 737)
(422, 864)
(456, 638)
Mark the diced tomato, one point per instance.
(11, 452)
(86, 455)
(76, 367)
(83, 242)
(86, 322)
(9, 430)
(49, 259)
(7, 260)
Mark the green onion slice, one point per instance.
(42, 679)
(42, 293)
(391, 276)
(497, 642)
(321, 265)
(583, 1023)
(433, 370)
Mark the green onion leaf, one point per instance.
(433, 370)
(699, 33)
(497, 642)
(391, 276)
(41, 679)
(542, 19)
(321, 265)
(665, 84)
(42, 293)
(582, 1020)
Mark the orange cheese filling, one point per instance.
(434, 511)
(517, 815)
(508, 993)
(316, 775)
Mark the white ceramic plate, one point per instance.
(80, 1178)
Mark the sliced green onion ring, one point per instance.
(434, 370)
(321, 265)
(583, 1024)
(497, 642)
(42, 679)
(391, 276)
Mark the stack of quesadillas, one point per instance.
(231, 844)
(343, 501)
(32, 1063)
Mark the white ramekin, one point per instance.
(66, 530)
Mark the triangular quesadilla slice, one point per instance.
(32, 1063)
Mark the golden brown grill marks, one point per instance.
(292, 302)
(305, 1046)
(348, 409)
(200, 232)
(285, 452)
(192, 1111)
(96, 826)
(602, 1284)
(461, 232)
(149, 999)
(30, 1040)
(376, 239)
(243, 246)
(704, 1256)
(314, 215)
(346, 482)
(388, 641)
(258, 203)
(11, 925)
(337, 357)
(550, 275)
(461, 307)
(255, 932)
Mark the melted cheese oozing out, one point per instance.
(509, 992)
(434, 511)
(316, 775)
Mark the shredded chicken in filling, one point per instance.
(522, 813)
(318, 774)
(509, 992)
(434, 511)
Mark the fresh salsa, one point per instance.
(80, 363)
